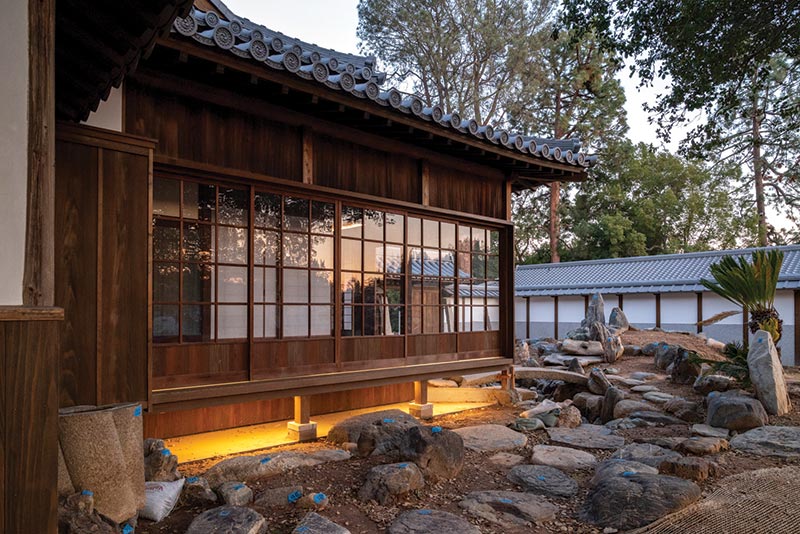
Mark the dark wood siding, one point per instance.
(204, 133)
(469, 193)
(102, 203)
(360, 169)
(28, 419)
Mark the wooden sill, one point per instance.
(202, 396)
(30, 313)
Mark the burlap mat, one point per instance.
(763, 501)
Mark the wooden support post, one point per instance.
(527, 317)
(621, 301)
(507, 379)
(38, 280)
(699, 311)
(420, 407)
(585, 304)
(555, 317)
(425, 179)
(797, 327)
(308, 156)
(658, 310)
(302, 428)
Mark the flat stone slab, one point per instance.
(645, 388)
(531, 373)
(710, 431)
(314, 523)
(586, 437)
(566, 359)
(562, 458)
(659, 397)
(244, 468)
(506, 459)
(618, 467)
(781, 441)
(543, 480)
(632, 383)
(656, 418)
(478, 379)
(442, 383)
(428, 521)
(508, 507)
(491, 438)
(228, 520)
(641, 375)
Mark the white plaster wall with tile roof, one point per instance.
(13, 148)
(109, 112)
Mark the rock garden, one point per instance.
(612, 430)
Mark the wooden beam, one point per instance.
(555, 317)
(527, 317)
(308, 156)
(621, 301)
(585, 304)
(745, 327)
(509, 200)
(699, 311)
(425, 183)
(658, 310)
(38, 279)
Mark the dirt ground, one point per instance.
(686, 340)
(341, 480)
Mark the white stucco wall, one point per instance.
(109, 112)
(571, 309)
(13, 147)
(641, 309)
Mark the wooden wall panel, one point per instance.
(195, 364)
(122, 336)
(351, 167)
(182, 422)
(470, 193)
(425, 344)
(28, 425)
(480, 341)
(362, 349)
(291, 356)
(205, 133)
(76, 270)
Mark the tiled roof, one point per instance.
(669, 273)
(355, 75)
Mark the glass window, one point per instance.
(234, 206)
(266, 247)
(233, 245)
(295, 250)
(373, 225)
(414, 231)
(430, 233)
(351, 254)
(295, 214)
(448, 235)
(198, 282)
(267, 210)
(394, 228)
(199, 201)
(166, 197)
(322, 215)
(352, 221)
(233, 285)
(166, 240)
(321, 252)
(232, 322)
(295, 285)
(295, 321)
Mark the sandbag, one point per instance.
(95, 461)
(160, 499)
(128, 421)
(65, 486)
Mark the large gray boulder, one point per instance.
(595, 312)
(705, 384)
(612, 397)
(626, 407)
(228, 520)
(766, 374)
(684, 369)
(735, 412)
(779, 441)
(543, 480)
(665, 354)
(645, 453)
(438, 452)
(428, 521)
(508, 508)
(618, 321)
(629, 501)
(245, 468)
(582, 348)
(385, 482)
(597, 382)
(374, 433)
(618, 467)
(586, 437)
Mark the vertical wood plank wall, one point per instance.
(29, 341)
(101, 265)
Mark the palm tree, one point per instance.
(751, 285)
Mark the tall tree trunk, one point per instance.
(555, 196)
(758, 173)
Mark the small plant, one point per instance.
(751, 285)
(734, 365)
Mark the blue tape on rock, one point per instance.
(542, 477)
(761, 340)
(191, 480)
(319, 497)
(424, 512)
(402, 466)
(87, 492)
(628, 473)
(224, 513)
(436, 429)
(165, 452)
(127, 529)
(506, 501)
(137, 411)
(387, 420)
(302, 528)
(294, 496)
(265, 460)
(237, 487)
